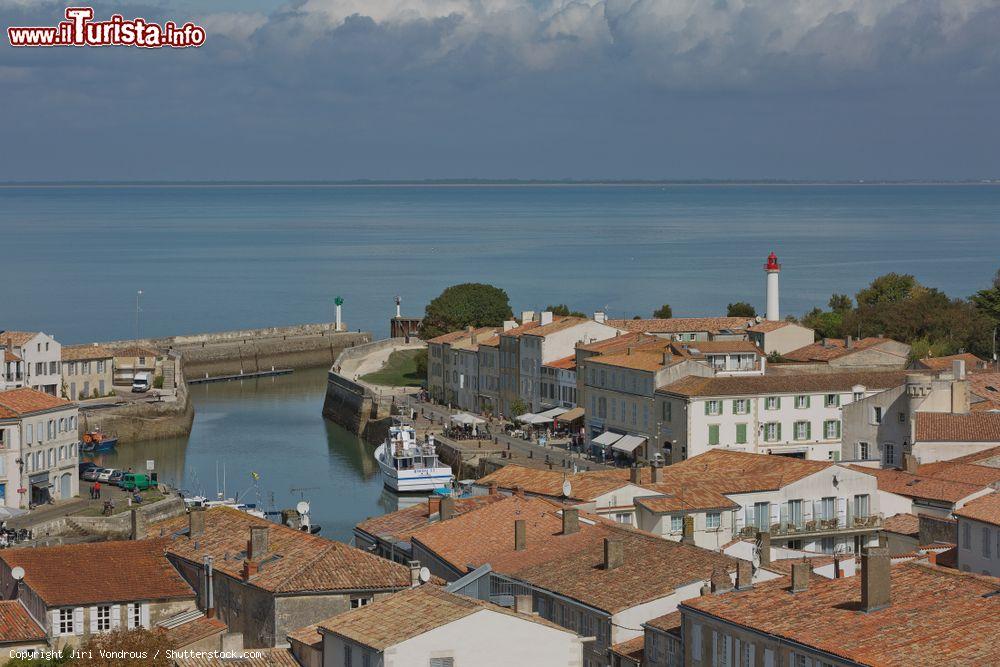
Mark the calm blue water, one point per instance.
(213, 258)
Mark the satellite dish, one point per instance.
(17, 573)
(425, 575)
(759, 319)
(302, 507)
(567, 488)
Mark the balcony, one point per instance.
(812, 527)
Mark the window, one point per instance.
(772, 431)
(667, 411)
(858, 395)
(741, 434)
(357, 602)
(623, 517)
(803, 430)
(103, 618)
(876, 415)
(442, 662)
(676, 523)
(966, 536)
(986, 542)
(890, 453)
(713, 434)
(826, 545)
(66, 625)
(741, 406)
(902, 417)
(772, 403)
(795, 513)
(713, 407)
(863, 451)
(713, 520)
(347, 656)
(832, 400)
(366, 659)
(828, 508)
(831, 429)
(861, 505)
(801, 402)
(696, 641)
(761, 515)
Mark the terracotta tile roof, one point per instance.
(411, 613)
(557, 324)
(519, 331)
(194, 631)
(82, 574)
(308, 635)
(752, 385)
(835, 348)
(398, 526)
(465, 342)
(987, 387)
(17, 625)
(915, 486)
(969, 473)
(295, 562)
(84, 352)
(255, 657)
(987, 457)
(972, 362)
(903, 524)
(136, 351)
(10, 357)
(620, 342)
(566, 363)
(449, 337)
(667, 623)
(686, 500)
(729, 471)
(26, 401)
(492, 341)
(985, 509)
(714, 346)
(937, 616)
(681, 324)
(586, 486)
(631, 649)
(768, 326)
(18, 338)
(947, 427)
(640, 360)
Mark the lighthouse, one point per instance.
(772, 269)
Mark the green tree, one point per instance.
(517, 408)
(826, 324)
(987, 301)
(420, 359)
(664, 312)
(562, 310)
(740, 309)
(468, 304)
(890, 288)
(840, 303)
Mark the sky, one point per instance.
(496, 89)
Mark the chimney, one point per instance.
(721, 583)
(527, 316)
(875, 584)
(826, 342)
(667, 358)
(744, 575)
(196, 522)
(138, 525)
(509, 324)
(519, 491)
(958, 369)
(910, 464)
(800, 576)
(546, 317)
(433, 505)
(687, 532)
(414, 573)
(493, 488)
(522, 604)
(209, 588)
(635, 474)
(764, 546)
(250, 568)
(655, 473)
(614, 554)
(447, 508)
(475, 338)
(960, 394)
(257, 548)
(520, 535)
(571, 520)
(849, 343)
(600, 317)
(838, 573)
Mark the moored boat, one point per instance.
(409, 466)
(98, 441)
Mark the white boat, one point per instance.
(408, 465)
(203, 502)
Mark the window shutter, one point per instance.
(130, 616)
(768, 658)
(696, 641)
(55, 623)
(837, 429)
(116, 616)
(777, 402)
(144, 613)
(93, 620)
(713, 434)
(808, 401)
(842, 512)
(707, 411)
(775, 513)
(741, 434)
(778, 430)
(809, 430)
(715, 648)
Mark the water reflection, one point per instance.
(272, 427)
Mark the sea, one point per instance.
(212, 257)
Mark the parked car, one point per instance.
(105, 474)
(90, 475)
(141, 383)
(87, 465)
(137, 481)
(116, 477)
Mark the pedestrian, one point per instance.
(97, 490)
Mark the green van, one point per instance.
(137, 481)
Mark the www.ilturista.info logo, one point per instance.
(79, 29)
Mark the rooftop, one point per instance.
(411, 613)
(730, 471)
(100, 572)
(948, 427)
(257, 657)
(566, 363)
(585, 486)
(18, 338)
(631, 649)
(136, 351)
(398, 526)
(195, 630)
(916, 486)
(902, 524)
(937, 616)
(987, 387)
(25, 401)
(681, 324)
(832, 348)
(17, 625)
(767, 326)
(639, 360)
(465, 342)
(667, 623)
(686, 499)
(557, 324)
(752, 385)
(985, 509)
(84, 352)
(295, 562)
(617, 343)
(519, 331)
(972, 362)
(987, 457)
(968, 473)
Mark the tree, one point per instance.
(987, 301)
(827, 324)
(468, 304)
(740, 309)
(517, 408)
(664, 312)
(139, 646)
(890, 288)
(562, 310)
(420, 359)
(840, 303)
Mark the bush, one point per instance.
(468, 304)
(158, 382)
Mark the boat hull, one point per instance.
(102, 446)
(415, 480)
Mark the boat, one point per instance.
(196, 502)
(409, 466)
(98, 441)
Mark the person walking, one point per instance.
(97, 490)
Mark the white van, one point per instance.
(141, 383)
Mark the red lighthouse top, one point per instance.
(772, 263)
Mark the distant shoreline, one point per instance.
(484, 183)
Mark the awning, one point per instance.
(606, 438)
(526, 417)
(466, 418)
(571, 415)
(553, 413)
(628, 443)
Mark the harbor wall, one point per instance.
(352, 404)
(83, 528)
(252, 350)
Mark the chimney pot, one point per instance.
(800, 576)
(687, 534)
(447, 508)
(654, 473)
(910, 463)
(614, 554)
(433, 506)
(520, 535)
(249, 569)
(875, 582)
(571, 520)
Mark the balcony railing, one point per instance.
(784, 527)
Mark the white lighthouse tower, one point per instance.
(772, 269)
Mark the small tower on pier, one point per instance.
(772, 269)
